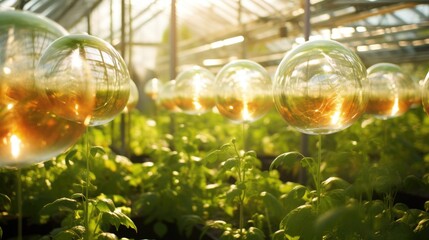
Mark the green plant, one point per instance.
(87, 218)
(102, 213)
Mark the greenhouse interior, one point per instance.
(214, 119)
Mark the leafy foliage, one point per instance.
(194, 176)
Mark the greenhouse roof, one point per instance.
(212, 32)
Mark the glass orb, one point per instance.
(93, 75)
(29, 132)
(425, 94)
(416, 96)
(391, 91)
(195, 90)
(167, 97)
(243, 91)
(152, 88)
(320, 87)
(134, 97)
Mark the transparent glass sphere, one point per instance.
(195, 92)
(425, 94)
(416, 98)
(133, 98)
(320, 87)
(152, 88)
(391, 91)
(243, 91)
(29, 132)
(167, 97)
(85, 78)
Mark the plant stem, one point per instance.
(318, 174)
(240, 173)
(19, 196)
(86, 208)
(244, 136)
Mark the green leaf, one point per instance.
(4, 202)
(160, 229)
(226, 146)
(344, 220)
(187, 222)
(299, 222)
(279, 235)
(230, 163)
(335, 183)
(105, 205)
(422, 227)
(272, 204)
(70, 155)
(287, 159)
(75, 232)
(1, 233)
(112, 218)
(97, 149)
(227, 149)
(310, 164)
(61, 204)
(107, 236)
(125, 220)
(233, 193)
(255, 234)
(294, 198)
(250, 153)
(212, 157)
(78, 196)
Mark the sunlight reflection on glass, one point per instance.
(15, 144)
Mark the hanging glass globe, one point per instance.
(133, 98)
(391, 91)
(195, 90)
(152, 88)
(425, 94)
(320, 87)
(243, 91)
(29, 132)
(167, 97)
(85, 78)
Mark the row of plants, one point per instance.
(190, 177)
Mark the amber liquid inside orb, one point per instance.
(29, 132)
(387, 107)
(107, 104)
(319, 115)
(169, 104)
(152, 95)
(65, 104)
(195, 105)
(239, 110)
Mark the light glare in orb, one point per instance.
(243, 91)
(76, 61)
(6, 70)
(15, 144)
(320, 87)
